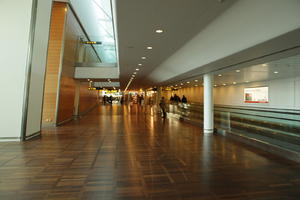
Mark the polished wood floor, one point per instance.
(129, 153)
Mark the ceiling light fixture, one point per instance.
(149, 47)
(215, 85)
(220, 75)
(276, 72)
(196, 80)
(137, 69)
(264, 65)
(188, 82)
(234, 83)
(224, 84)
(159, 31)
(134, 72)
(143, 57)
(196, 85)
(140, 64)
(181, 83)
(237, 70)
(247, 81)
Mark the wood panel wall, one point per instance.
(53, 62)
(67, 82)
(62, 56)
(88, 98)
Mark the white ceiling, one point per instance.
(277, 69)
(137, 21)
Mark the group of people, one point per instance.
(176, 99)
(107, 99)
(173, 99)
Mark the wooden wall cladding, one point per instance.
(66, 107)
(88, 98)
(53, 61)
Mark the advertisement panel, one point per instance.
(256, 95)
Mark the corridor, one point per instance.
(129, 152)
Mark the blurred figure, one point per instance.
(162, 105)
(110, 99)
(176, 98)
(184, 99)
(172, 99)
(104, 99)
(142, 100)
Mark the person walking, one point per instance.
(162, 105)
(184, 99)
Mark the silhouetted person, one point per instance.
(176, 98)
(172, 99)
(104, 99)
(162, 105)
(184, 99)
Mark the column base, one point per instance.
(208, 131)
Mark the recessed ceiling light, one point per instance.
(133, 75)
(237, 70)
(137, 69)
(196, 85)
(88, 79)
(159, 31)
(143, 57)
(196, 80)
(188, 82)
(247, 81)
(134, 72)
(140, 64)
(264, 65)
(234, 82)
(215, 85)
(224, 84)
(181, 83)
(149, 47)
(220, 75)
(276, 72)
(176, 85)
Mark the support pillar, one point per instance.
(158, 95)
(208, 115)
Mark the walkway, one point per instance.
(120, 153)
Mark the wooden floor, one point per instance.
(117, 153)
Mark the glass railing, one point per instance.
(279, 126)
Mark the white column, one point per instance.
(24, 40)
(208, 116)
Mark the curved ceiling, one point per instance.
(137, 21)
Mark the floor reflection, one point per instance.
(130, 152)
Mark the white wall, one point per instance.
(15, 16)
(283, 94)
(39, 61)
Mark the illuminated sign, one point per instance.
(91, 42)
(256, 95)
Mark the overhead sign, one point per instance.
(256, 95)
(91, 42)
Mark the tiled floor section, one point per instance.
(128, 153)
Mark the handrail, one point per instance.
(83, 29)
(259, 109)
(251, 114)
